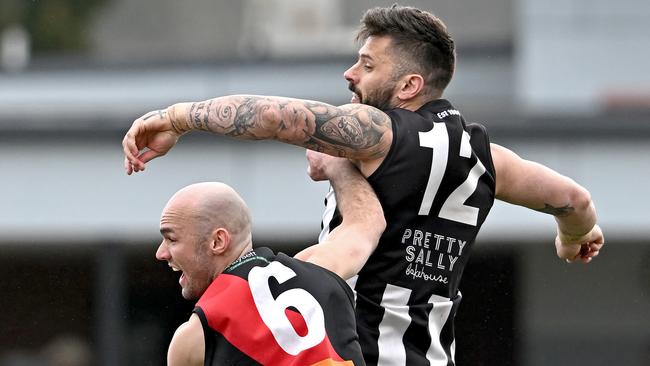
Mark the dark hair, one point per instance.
(420, 41)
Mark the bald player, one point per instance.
(256, 307)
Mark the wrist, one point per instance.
(178, 117)
(573, 237)
(340, 171)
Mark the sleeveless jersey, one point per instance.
(268, 309)
(436, 186)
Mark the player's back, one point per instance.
(436, 186)
(268, 309)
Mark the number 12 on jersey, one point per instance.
(454, 207)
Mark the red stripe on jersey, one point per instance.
(230, 310)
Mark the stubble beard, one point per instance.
(379, 98)
(200, 281)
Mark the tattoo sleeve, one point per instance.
(347, 131)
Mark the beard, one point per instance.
(195, 286)
(198, 280)
(380, 98)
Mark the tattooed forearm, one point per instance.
(247, 116)
(556, 211)
(199, 115)
(338, 131)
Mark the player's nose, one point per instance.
(162, 254)
(350, 75)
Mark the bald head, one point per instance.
(211, 205)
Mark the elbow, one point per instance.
(580, 199)
(357, 256)
(381, 225)
(376, 228)
(376, 222)
(370, 221)
(366, 241)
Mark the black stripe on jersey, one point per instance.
(419, 340)
(369, 317)
(448, 334)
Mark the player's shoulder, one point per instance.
(302, 268)
(188, 344)
(310, 272)
(437, 110)
(476, 127)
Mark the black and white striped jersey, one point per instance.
(436, 186)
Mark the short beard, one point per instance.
(203, 277)
(379, 98)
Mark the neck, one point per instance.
(245, 248)
(414, 104)
(235, 254)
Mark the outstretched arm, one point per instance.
(526, 183)
(348, 247)
(354, 131)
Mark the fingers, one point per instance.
(584, 252)
(592, 251)
(147, 156)
(587, 253)
(128, 167)
(131, 150)
(315, 166)
(131, 168)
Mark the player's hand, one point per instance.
(321, 166)
(582, 248)
(150, 136)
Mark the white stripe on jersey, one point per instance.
(437, 319)
(330, 208)
(352, 282)
(393, 326)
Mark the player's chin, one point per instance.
(189, 294)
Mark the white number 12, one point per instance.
(454, 207)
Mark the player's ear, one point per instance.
(410, 86)
(220, 241)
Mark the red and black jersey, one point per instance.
(268, 309)
(436, 186)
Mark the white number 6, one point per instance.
(272, 310)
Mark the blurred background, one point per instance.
(564, 83)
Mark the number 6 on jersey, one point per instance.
(272, 311)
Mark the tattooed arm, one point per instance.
(529, 184)
(355, 131)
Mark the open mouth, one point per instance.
(176, 269)
(355, 98)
